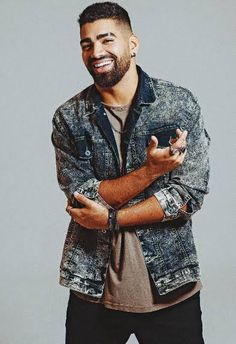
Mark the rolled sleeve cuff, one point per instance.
(90, 190)
(187, 214)
(171, 202)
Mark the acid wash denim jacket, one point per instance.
(86, 154)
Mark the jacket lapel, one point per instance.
(103, 123)
(95, 108)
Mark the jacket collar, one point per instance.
(144, 94)
(145, 91)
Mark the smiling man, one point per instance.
(110, 69)
(132, 159)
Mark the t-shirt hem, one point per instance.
(142, 309)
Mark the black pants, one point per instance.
(90, 323)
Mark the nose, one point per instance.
(98, 50)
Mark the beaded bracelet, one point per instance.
(112, 221)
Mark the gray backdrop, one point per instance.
(189, 42)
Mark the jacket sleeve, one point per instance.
(189, 182)
(73, 162)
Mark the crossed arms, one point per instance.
(182, 196)
(119, 191)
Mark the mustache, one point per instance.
(100, 59)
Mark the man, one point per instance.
(131, 155)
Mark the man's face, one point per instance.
(106, 51)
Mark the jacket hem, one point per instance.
(88, 288)
(176, 280)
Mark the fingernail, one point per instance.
(76, 193)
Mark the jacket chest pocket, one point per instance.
(141, 141)
(163, 135)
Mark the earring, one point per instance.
(133, 54)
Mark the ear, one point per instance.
(133, 44)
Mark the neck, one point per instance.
(123, 92)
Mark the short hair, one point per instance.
(104, 10)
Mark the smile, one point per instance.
(103, 63)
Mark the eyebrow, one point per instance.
(100, 36)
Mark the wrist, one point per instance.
(150, 172)
(113, 224)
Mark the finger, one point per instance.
(75, 213)
(153, 143)
(181, 142)
(178, 132)
(183, 135)
(82, 199)
(69, 204)
(175, 139)
(173, 152)
(68, 209)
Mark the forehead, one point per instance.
(101, 26)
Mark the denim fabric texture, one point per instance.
(86, 154)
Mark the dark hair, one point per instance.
(104, 10)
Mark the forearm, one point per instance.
(117, 192)
(145, 212)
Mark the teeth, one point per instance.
(102, 64)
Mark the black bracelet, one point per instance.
(112, 221)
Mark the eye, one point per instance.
(108, 40)
(86, 47)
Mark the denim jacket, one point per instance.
(86, 154)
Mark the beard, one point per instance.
(111, 78)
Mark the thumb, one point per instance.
(82, 199)
(153, 144)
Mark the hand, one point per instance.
(91, 216)
(160, 161)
